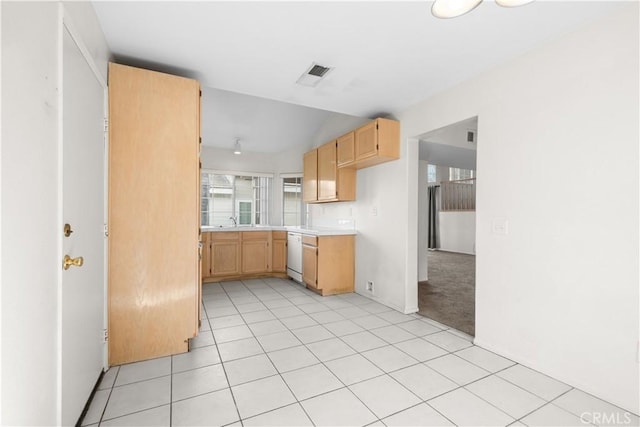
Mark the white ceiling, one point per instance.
(387, 55)
(264, 125)
(448, 146)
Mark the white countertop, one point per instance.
(323, 231)
(316, 231)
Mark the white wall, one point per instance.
(559, 292)
(276, 164)
(423, 221)
(380, 217)
(30, 229)
(457, 232)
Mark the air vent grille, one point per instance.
(471, 137)
(318, 70)
(314, 75)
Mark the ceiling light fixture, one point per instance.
(236, 147)
(453, 8)
(512, 3)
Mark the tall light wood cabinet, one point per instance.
(154, 283)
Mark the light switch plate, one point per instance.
(500, 226)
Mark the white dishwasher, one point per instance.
(294, 256)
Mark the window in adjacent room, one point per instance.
(432, 176)
(225, 197)
(456, 174)
(292, 206)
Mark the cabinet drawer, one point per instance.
(255, 235)
(224, 235)
(309, 240)
(279, 235)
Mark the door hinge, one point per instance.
(200, 93)
(200, 140)
(376, 126)
(106, 125)
(377, 147)
(105, 335)
(106, 230)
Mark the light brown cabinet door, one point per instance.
(310, 265)
(154, 222)
(225, 257)
(327, 172)
(310, 177)
(366, 141)
(206, 255)
(255, 256)
(336, 264)
(279, 256)
(346, 149)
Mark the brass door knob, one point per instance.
(68, 262)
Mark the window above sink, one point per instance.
(229, 199)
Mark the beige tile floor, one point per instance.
(271, 353)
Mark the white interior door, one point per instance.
(82, 286)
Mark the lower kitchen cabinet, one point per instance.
(246, 254)
(255, 252)
(279, 252)
(205, 255)
(310, 261)
(225, 254)
(328, 263)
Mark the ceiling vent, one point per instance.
(471, 136)
(314, 74)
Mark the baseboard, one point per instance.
(559, 376)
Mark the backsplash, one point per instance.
(331, 215)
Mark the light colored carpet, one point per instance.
(449, 294)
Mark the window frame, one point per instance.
(235, 200)
(302, 210)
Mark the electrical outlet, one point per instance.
(369, 285)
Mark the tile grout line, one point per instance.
(328, 369)
(449, 352)
(345, 386)
(277, 373)
(222, 364)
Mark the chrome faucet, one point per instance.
(235, 222)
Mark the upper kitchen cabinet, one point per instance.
(332, 184)
(376, 142)
(154, 213)
(310, 177)
(346, 150)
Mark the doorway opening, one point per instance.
(446, 286)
